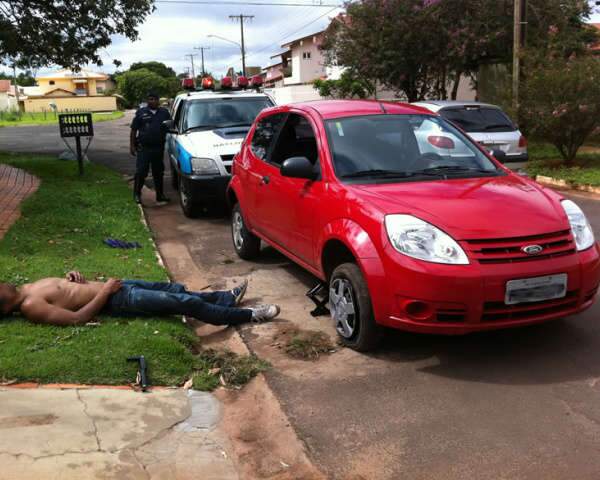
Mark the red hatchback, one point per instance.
(411, 223)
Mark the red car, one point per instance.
(410, 222)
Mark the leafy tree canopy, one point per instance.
(157, 67)
(420, 47)
(65, 33)
(349, 85)
(134, 85)
(24, 79)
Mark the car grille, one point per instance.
(509, 250)
(227, 158)
(499, 311)
(446, 315)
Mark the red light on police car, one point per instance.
(256, 81)
(226, 83)
(188, 84)
(242, 82)
(208, 83)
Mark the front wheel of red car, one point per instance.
(351, 309)
(246, 244)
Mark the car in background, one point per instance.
(407, 222)
(486, 124)
(206, 131)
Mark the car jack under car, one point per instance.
(319, 294)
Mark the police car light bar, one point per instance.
(242, 82)
(188, 84)
(226, 83)
(208, 83)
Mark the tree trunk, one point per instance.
(456, 85)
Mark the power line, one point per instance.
(247, 3)
(202, 53)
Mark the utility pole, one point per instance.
(16, 89)
(241, 19)
(192, 55)
(202, 56)
(520, 14)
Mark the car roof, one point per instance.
(329, 109)
(209, 94)
(436, 105)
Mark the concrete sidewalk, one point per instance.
(90, 433)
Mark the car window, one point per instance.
(479, 119)
(297, 139)
(223, 112)
(177, 118)
(265, 133)
(407, 146)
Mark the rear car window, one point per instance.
(479, 119)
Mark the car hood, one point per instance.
(475, 208)
(224, 141)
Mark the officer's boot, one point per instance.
(137, 189)
(158, 185)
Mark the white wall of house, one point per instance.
(7, 102)
(293, 93)
(307, 61)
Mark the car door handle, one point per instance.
(265, 180)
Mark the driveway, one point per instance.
(511, 404)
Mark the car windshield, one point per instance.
(479, 119)
(403, 148)
(223, 112)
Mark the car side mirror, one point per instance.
(499, 155)
(169, 126)
(298, 167)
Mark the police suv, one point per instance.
(206, 132)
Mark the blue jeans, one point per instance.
(139, 298)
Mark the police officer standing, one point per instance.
(147, 142)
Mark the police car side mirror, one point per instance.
(169, 126)
(499, 155)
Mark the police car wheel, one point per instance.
(245, 243)
(190, 210)
(174, 178)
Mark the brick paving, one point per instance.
(15, 186)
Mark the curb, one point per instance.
(74, 386)
(556, 182)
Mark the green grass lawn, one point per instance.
(9, 119)
(61, 228)
(545, 160)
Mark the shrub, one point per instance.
(560, 102)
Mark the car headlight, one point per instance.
(416, 238)
(204, 166)
(582, 231)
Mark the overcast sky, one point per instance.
(173, 30)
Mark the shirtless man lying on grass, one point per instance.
(75, 301)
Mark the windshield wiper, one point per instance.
(380, 173)
(201, 127)
(445, 169)
(497, 125)
(230, 125)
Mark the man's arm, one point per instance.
(133, 141)
(38, 310)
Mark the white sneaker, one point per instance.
(264, 313)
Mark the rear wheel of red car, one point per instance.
(351, 309)
(246, 244)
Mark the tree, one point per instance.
(420, 48)
(63, 33)
(157, 67)
(561, 101)
(349, 85)
(134, 85)
(24, 79)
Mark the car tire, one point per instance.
(190, 210)
(245, 243)
(174, 177)
(351, 309)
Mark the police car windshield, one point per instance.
(222, 112)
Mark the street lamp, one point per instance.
(235, 43)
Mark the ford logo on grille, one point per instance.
(533, 249)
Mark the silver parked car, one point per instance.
(486, 124)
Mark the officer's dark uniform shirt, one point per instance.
(151, 133)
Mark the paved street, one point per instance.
(512, 404)
(110, 145)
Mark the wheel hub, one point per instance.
(341, 302)
(238, 225)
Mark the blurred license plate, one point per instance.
(536, 289)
